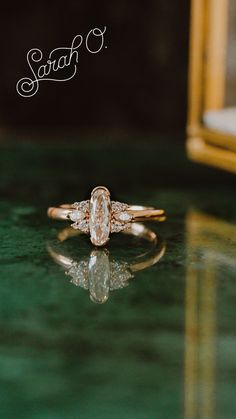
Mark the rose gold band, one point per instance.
(100, 272)
(138, 213)
(101, 216)
(149, 258)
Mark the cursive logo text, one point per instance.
(60, 61)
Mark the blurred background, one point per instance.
(137, 84)
(164, 345)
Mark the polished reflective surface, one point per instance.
(100, 272)
(211, 262)
(164, 346)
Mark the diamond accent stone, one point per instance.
(80, 216)
(127, 226)
(81, 225)
(82, 206)
(123, 217)
(117, 226)
(100, 216)
(76, 215)
(118, 206)
(120, 217)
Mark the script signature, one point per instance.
(58, 59)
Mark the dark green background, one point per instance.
(62, 356)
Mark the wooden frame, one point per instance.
(208, 42)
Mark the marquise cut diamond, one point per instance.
(123, 216)
(80, 215)
(77, 215)
(100, 216)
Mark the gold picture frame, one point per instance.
(207, 84)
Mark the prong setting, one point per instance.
(100, 216)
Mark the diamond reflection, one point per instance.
(99, 275)
(99, 272)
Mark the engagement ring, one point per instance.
(100, 216)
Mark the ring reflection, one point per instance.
(101, 271)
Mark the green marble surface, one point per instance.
(162, 347)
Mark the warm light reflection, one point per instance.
(101, 272)
(211, 244)
(212, 100)
(201, 152)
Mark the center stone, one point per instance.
(100, 216)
